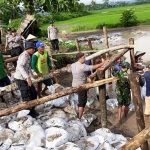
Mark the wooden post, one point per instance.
(89, 44)
(102, 99)
(136, 92)
(131, 42)
(107, 46)
(77, 45)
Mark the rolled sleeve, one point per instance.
(87, 67)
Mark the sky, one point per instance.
(98, 1)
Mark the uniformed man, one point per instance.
(7, 45)
(24, 74)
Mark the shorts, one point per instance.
(47, 82)
(28, 93)
(4, 81)
(123, 100)
(82, 98)
(16, 51)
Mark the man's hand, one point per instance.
(9, 73)
(40, 74)
(101, 68)
(29, 81)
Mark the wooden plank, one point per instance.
(29, 104)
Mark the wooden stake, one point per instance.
(102, 99)
(77, 45)
(90, 44)
(29, 104)
(136, 92)
(131, 42)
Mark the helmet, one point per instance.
(125, 64)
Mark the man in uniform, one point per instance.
(79, 71)
(41, 65)
(53, 36)
(23, 76)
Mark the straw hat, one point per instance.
(30, 37)
(138, 53)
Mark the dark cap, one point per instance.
(13, 30)
(79, 55)
(29, 45)
(8, 29)
(148, 66)
(51, 22)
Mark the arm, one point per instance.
(17, 38)
(49, 62)
(98, 65)
(34, 62)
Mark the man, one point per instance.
(79, 71)
(8, 45)
(147, 98)
(123, 90)
(117, 66)
(23, 76)
(41, 65)
(53, 36)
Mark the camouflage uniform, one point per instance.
(123, 88)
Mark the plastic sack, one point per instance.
(22, 113)
(51, 89)
(55, 137)
(111, 104)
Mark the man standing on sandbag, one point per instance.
(41, 65)
(79, 71)
(23, 76)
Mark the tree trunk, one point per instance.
(32, 103)
(136, 92)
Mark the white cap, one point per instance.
(30, 37)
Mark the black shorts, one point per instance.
(47, 82)
(4, 81)
(16, 51)
(27, 92)
(82, 98)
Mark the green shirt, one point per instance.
(41, 63)
(2, 70)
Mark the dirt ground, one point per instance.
(127, 128)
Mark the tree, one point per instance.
(93, 4)
(106, 3)
(128, 18)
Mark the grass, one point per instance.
(96, 19)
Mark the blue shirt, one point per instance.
(116, 67)
(147, 79)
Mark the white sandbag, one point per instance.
(74, 97)
(17, 147)
(28, 122)
(131, 107)
(60, 102)
(107, 146)
(111, 104)
(58, 87)
(90, 143)
(143, 92)
(17, 94)
(91, 96)
(22, 113)
(118, 145)
(7, 143)
(59, 113)
(68, 146)
(37, 135)
(16, 125)
(102, 131)
(51, 89)
(55, 137)
(78, 127)
(32, 146)
(87, 119)
(55, 122)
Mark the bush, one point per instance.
(128, 19)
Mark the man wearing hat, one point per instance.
(123, 90)
(147, 97)
(8, 45)
(41, 65)
(79, 71)
(23, 76)
(53, 36)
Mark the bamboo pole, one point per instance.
(100, 52)
(29, 104)
(102, 99)
(77, 45)
(136, 92)
(90, 44)
(137, 140)
(13, 86)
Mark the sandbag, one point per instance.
(55, 137)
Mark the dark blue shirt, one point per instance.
(88, 62)
(147, 79)
(116, 67)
